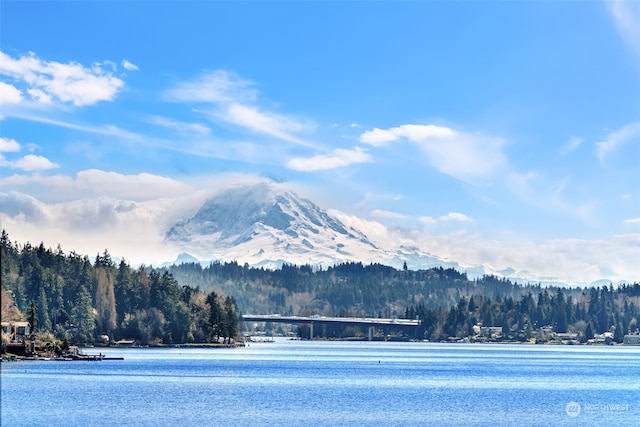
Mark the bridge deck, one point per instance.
(371, 321)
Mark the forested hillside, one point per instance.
(349, 289)
(73, 297)
(446, 301)
(594, 311)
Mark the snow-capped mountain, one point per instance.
(266, 224)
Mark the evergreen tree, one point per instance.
(230, 319)
(33, 317)
(618, 334)
(214, 322)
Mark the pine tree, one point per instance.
(214, 321)
(33, 317)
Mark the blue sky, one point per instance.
(505, 133)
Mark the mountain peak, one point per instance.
(267, 224)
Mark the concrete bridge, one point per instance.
(370, 322)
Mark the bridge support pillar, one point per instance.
(371, 328)
(311, 331)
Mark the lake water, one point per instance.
(302, 383)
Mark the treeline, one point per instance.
(595, 311)
(84, 301)
(348, 289)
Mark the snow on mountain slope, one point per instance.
(266, 224)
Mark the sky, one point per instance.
(501, 133)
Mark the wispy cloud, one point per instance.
(338, 158)
(379, 213)
(108, 130)
(550, 195)
(219, 86)
(571, 146)
(467, 157)
(450, 217)
(47, 82)
(632, 220)
(277, 125)
(180, 127)
(617, 139)
(626, 14)
(232, 99)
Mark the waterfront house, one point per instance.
(16, 331)
(490, 331)
(631, 339)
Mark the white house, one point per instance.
(633, 339)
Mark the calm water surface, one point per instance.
(300, 383)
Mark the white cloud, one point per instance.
(8, 145)
(91, 182)
(40, 96)
(129, 229)
(616, 139)
(338, 158)
(416, 133)
(129, 66)
(58, 182)
(378, 137)
(467, 157)
(143, 186)
(373, 229)
(379, 213)
(32, 162)
(455, 216)
(632, 220)
(9, 94)
(428, 219)
(73, 83)
(576, 261)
